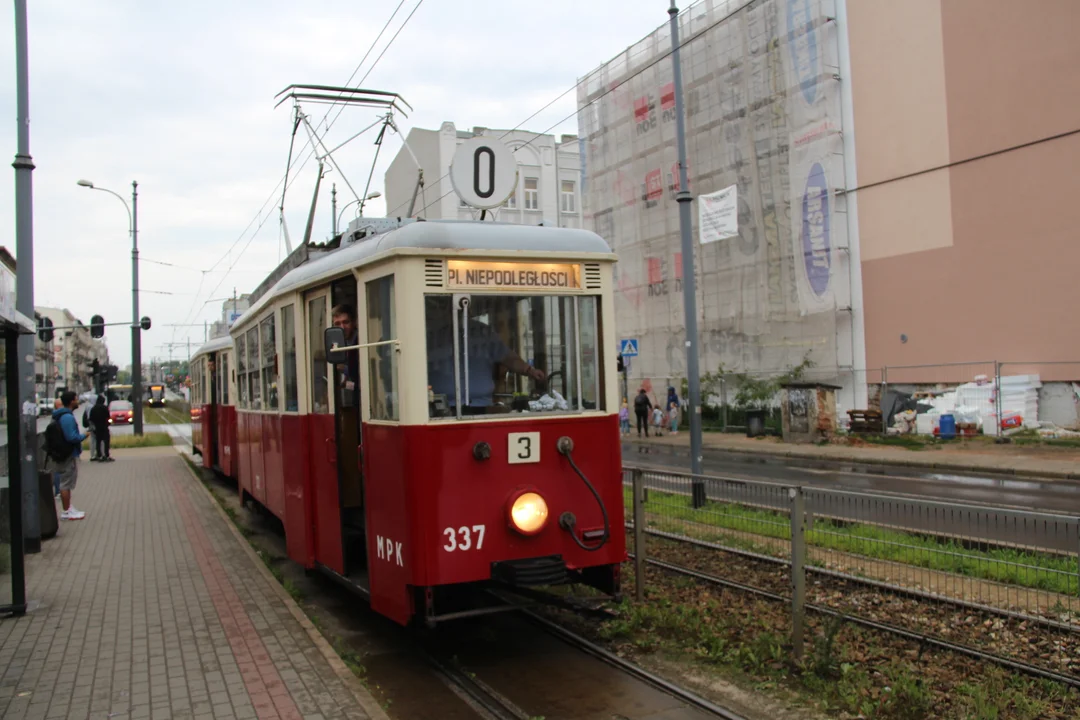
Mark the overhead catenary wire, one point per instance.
(286, 183)
(655, 61)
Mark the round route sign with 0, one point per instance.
(483, 172)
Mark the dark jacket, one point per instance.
(642, 404)
(71, 429)
(99, 416)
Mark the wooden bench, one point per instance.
(864, 421)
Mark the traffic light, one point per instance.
(95, 367)
(113, 370)
(621, 366)
(45, 331)
(97, 327)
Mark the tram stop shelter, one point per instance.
(808, 411)
(12, 325)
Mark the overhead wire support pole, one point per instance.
(683, 197)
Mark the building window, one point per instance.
(532, 194)
(511, 202)
(569, 199)
(381, 360)
(288, 347)
(269, 364)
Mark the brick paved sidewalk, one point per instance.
(154, 607)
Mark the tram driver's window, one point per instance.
(382, 359)
(515, 354)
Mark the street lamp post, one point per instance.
(370, 196)
(136, 330)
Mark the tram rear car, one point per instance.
(429, 409)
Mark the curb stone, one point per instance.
(360, 693)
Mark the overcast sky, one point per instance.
(180, 96)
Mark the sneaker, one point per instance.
(109, 459)
(72, 514)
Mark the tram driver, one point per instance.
(344, 317)
(485, 350)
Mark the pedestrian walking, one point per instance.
(99, 420)
(658, 418)
(63, 446)
(89, 427)
(642, 406)
(624, 418)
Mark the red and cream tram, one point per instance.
(429, 407)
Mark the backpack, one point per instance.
(86, 418)
(641, 403)
(56, 445)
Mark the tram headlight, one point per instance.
(528, 513)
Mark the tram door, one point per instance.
(347, 427)
(210, 426)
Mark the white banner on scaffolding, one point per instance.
(718, 215)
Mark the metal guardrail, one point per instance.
(969, 562)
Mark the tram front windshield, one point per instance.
(514, 354)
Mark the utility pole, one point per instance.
(683, 197)
(26, 483)
(333, 209)
(136, 330)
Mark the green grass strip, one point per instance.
(1041, 571)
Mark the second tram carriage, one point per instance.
(429, 408)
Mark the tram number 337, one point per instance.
(464, 538)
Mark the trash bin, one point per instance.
(755, 423)
(50, 523)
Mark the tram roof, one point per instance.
(439, 236)
(221, 343)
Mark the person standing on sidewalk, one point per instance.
(624, 419)
(89, 426)
(64, 429)
(99, 421)
(642, 406)
(673, 405)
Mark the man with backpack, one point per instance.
(63, 445)
(642, 406)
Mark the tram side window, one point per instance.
(252, 379)
(382, 360)
(320, 387)
(269, 364)
(588, 319)
(241, 369)
(224, 375)
(288, 346)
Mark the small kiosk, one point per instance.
(12, 325)
(809, 412)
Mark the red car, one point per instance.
(121, 412)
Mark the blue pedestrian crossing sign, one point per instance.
(629, 347)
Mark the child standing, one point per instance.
(624, 418)
(658, 420)
(673, 417)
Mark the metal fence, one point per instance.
(994, 582)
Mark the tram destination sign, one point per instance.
(513, 275)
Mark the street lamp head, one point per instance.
(85, 183)
(374, 195)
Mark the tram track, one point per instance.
(517, 665)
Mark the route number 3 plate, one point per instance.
(523, 448)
